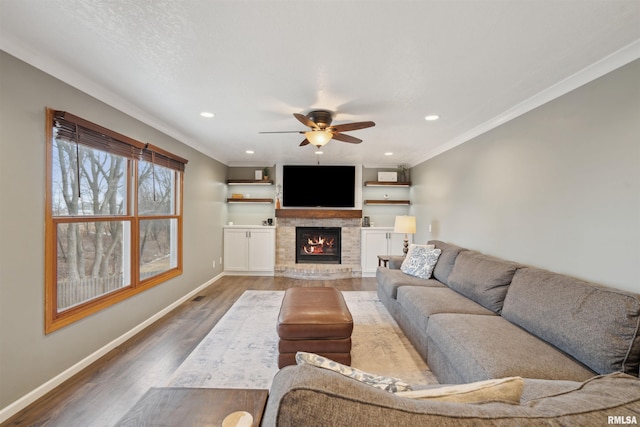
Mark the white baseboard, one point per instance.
(32, 396)
(248, 273)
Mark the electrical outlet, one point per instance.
(213, 263)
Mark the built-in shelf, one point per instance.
(386, 184)
(387, 202)
(248, 182)
(249, 200)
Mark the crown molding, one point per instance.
(598, 69)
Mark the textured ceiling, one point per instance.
(254, 63)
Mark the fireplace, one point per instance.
(318, 245)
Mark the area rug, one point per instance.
(241, 351)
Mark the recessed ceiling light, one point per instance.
(318, 152)
(207, 114)
(432, 117)
(389, 153)
(249, 151)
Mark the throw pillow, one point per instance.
(420, 261)
(414, 246)
(378, 381)
(504, 390)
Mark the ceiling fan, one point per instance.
(321, 130)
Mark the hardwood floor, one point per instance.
(103, 392)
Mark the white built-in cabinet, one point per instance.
(380, 241)
(249, 250)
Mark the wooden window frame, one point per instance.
(56, 319)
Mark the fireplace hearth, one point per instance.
(318, 245)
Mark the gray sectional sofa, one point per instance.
(482, 317)
(576, 343)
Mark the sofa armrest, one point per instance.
(395, 261)
(306, 395)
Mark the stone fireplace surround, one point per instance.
(348, 220)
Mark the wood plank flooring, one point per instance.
(103, 392)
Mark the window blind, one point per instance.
(75, 129)
(158, 156)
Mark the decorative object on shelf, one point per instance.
(236, 196)
(403, 172)
(257, 175)
(278, 193)
(405, 224)
(388, 176)
(366, 222)
(265, 173)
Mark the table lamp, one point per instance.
(405, 224)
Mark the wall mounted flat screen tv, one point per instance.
(318, 186)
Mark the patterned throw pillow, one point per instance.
(414, 246)
(420, 261)
(389, 384)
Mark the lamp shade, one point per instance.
(318, 137)
(405, 224)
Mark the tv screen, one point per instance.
(318, 186)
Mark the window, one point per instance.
(113, 218)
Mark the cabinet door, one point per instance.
(236, 252)
(261, 250)
(374, 243)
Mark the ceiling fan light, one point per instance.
(318, 137)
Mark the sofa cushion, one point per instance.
(596, 325)
(482, 278)
(420, 262)
(446, 260)
(390, 280)
(420, 303)
(468, 347)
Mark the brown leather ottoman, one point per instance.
(314, 320)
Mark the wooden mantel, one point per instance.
(318, 213)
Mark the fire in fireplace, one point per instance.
(318, 245)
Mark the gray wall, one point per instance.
(557, 188)
(28, 358)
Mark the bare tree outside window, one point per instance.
(156, 197)
(89, 183)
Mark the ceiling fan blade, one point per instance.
(305, 120)
(352, 126)
(346, 138)
(286, 131)
(305, 142)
